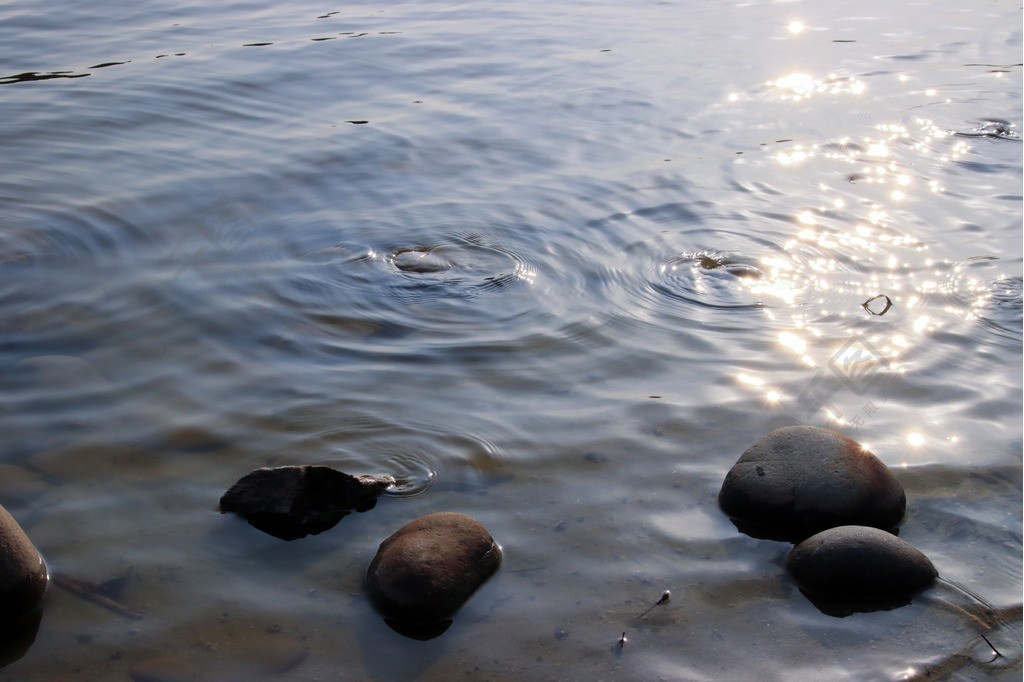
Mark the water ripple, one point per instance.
(1002, 311)
(707, 278)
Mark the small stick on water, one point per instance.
(92, 592)
(666, 597)
(994, 650)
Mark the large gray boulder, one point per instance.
(859, 562)
(427, 569)
(23, 575)
(800, 480)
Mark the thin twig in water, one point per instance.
(994, 650)
(92, 592)
(666, 597)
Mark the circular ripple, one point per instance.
(711, 279)
(1002, 311)
(415, 473)
(465, 266)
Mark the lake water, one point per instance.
(553, 264)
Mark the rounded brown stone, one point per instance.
(23, 575)
(799, 480)
(427, 569)
(859, 562)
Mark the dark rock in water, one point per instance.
(420, 260)
(427, 570)
(295, 501)
(852, 563)
(23, 575)
(17, 637)
(733, 267)
(799, 480)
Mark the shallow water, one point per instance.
(555, 265)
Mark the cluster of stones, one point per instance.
(421, 575)
(811, 486)
(837, 502)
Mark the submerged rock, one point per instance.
(23, 575)
(427, 569)
(799, 480)
(292, 502)
(859, 563)
(420, 260)
(733, 267)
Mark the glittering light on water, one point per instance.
(795, 156)
(878, 150)
(796, 26)
(847, 248)
(749, 380)
(915, 439)
(799, 84)
(793, 342)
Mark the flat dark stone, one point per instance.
(859, 563)
(800, 480)
(292, 502)
(427, 569)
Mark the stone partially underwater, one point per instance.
(292, 502)
(800, 480)
(857, 568)
(425, 571)
(23, 582)
(23, 574)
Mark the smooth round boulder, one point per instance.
(799, 480)
(23, 574)
(859, 562)
(427, 569)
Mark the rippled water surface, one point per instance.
(554, 265)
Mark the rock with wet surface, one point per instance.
(292, 502)
(799, 480)
(420, 260)
(733, 267)
(859, 562)
(427, 569)
(23, 575)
